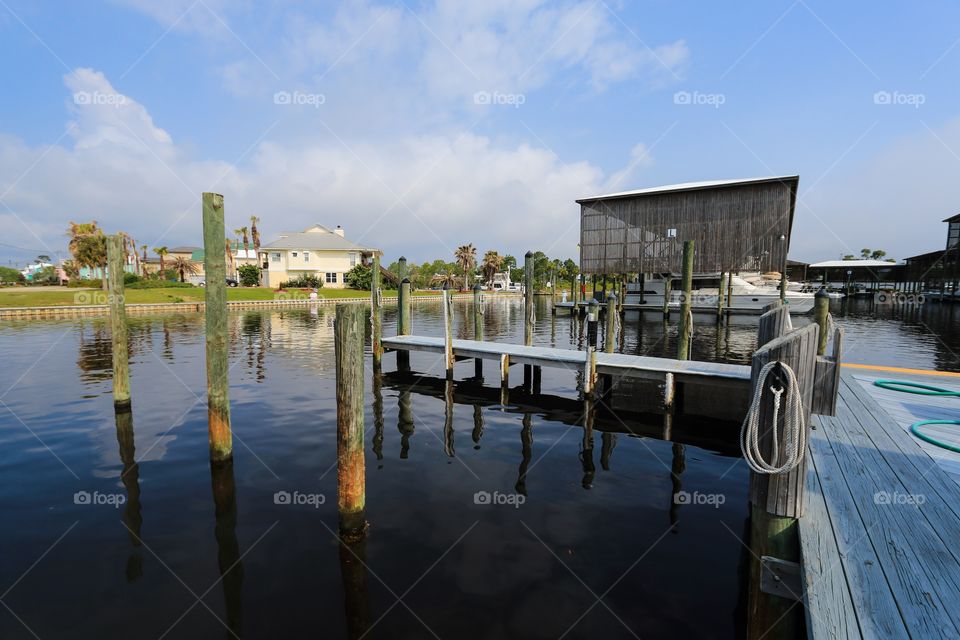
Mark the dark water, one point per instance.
(599, 547)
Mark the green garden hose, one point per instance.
(923, 390)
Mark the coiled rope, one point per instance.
(794, 431)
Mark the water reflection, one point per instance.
(526, 452)
(130, 477)
(228, 547)
(405, 420)
(356, 601)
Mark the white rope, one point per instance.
(794, 431)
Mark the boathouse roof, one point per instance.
(736, 225)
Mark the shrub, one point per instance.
(359, 277)
(249, 275)
(160, 284)
(305, 281)
(92, 283)
(130, 278)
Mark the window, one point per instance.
(331, 278)
(294, 254)
(306, 256)
(275, 257)
(353, 259)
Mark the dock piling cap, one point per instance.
(822, 293)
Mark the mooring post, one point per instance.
(351, 468)
(593, 315)
(667, 286)
(376, 314)
(528, 313)
(448, 330)
(686, 313)
(821, 314)
(402, 268)
(403, 322)
(215, 295)
(118, 324)
(720, 297)
(608, 338)
(729, 291)
(478, 325)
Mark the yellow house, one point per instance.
(317, 251)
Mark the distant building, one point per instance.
(317, 251)
(939, 269)
(32, 269)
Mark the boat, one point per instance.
(748, 294)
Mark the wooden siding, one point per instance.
(732, 227)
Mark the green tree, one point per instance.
(359, 277)
(249, 274)
(10, 275)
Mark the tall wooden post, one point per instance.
(729, 290)
(351, 480)
(118, 324)
(478, 325)
(686, 315)
(608, 339)
(593, 316)
(215, 292)
(720, 297)
(667, 286)
(402, 268)
(376, 314)
(403, 322)
(528, 311)
(821, 314)
(448, 331)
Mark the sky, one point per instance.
(422, 126)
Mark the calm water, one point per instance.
(165, 548)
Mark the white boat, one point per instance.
(746, 297)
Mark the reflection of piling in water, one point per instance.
(477, 425)
(405, 421)
(448, 419)
(526, 441)
(586, 447)
(228, 548)
(377, 415)
(356, 601)
(608, 442)
(677, 467)
(130, 476)
(351, 468)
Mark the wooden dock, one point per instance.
(879, 539)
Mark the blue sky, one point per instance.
(420, 126)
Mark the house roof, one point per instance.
(317, 238)
(690, 186)
(853, 264)
(184, 249)
(939, 253)
(953, 218)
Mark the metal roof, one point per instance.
(870, 264)
(322, 240)
(690, 186)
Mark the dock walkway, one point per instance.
(880, 537)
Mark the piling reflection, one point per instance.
(586, 445)
(608, 442)
(405, 420)
(526, 442)
(356, 600)
(130, 476)
(477, 432)
(448, 419)
(228, 548)
(677, 467)
(377, 382)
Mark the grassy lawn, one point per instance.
(14, 297)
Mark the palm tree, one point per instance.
(466, 257)
(88, 246)
(490, 266)
(161, 251)
(254, 233)
(143, 249)
(231, 263)
(183, 266)
(242, 232)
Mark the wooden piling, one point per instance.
(821, 315)
(528, 312)
(609, 337)
(351, 480)
(376, 314)
(119, 333)
(402, 268)
(478, 325)
(403, 321)
(729, 290)
(593, 316)
(448, 359)
(720, 297)
(686, 315)
(215, 295)
(667, 285)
